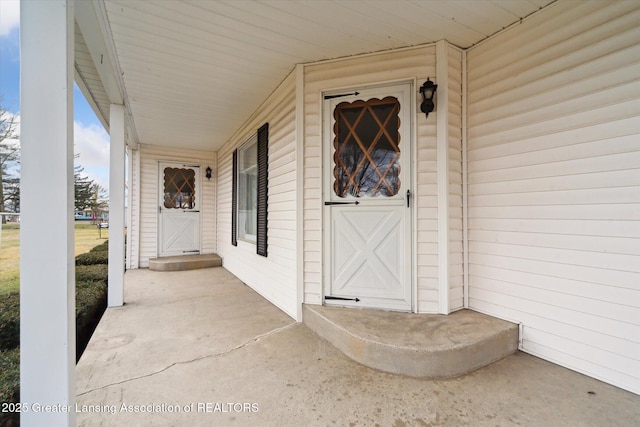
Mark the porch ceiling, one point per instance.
(191, 72)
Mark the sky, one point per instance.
(91, 141)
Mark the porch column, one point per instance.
(115, 296)
(47, 268)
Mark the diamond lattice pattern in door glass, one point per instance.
(367, 152)
(179, 188)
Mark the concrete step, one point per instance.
(185, 262)
(419, 345)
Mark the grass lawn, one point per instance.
(86, 237)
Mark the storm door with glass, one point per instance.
(367, 198)
(179, 209)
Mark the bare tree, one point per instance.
(9, 156)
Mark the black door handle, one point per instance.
(408, 198)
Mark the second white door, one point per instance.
(179, 209)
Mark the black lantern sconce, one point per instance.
(208, 171)
(428, 91)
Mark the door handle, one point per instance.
(341, 203)
(408, 198)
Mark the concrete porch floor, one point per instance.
(200, 348)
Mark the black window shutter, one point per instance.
(234, 201)
(263, 187)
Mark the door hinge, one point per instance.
(342, 299)
(341, 203)
(341, 95)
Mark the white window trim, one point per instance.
(241, 236)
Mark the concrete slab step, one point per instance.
(185, 262)
(418, 345)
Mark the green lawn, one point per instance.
(86, 237)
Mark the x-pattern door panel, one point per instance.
(180, 233)
(367, 257)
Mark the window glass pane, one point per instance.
(367, 152)
(179, 188)
(247, 190)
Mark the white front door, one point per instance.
(367, 198)
(179, 209)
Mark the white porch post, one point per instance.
(116, 206)
(47, 270)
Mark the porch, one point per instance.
(189, 345)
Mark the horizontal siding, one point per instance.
(407, 64)
(133, 227)
(150, 156)
(274, 277)
(554, 185)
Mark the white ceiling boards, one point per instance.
(193, 71)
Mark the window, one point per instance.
(250, 191)
(179, 188)
(367, 144)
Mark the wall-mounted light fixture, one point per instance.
(428, 90)
(208, 171)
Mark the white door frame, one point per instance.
(195, 210)
(409, 99)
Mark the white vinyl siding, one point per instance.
(408, 64)
(150, 156)
(274, 276)
(554, 185)
(133, 220)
